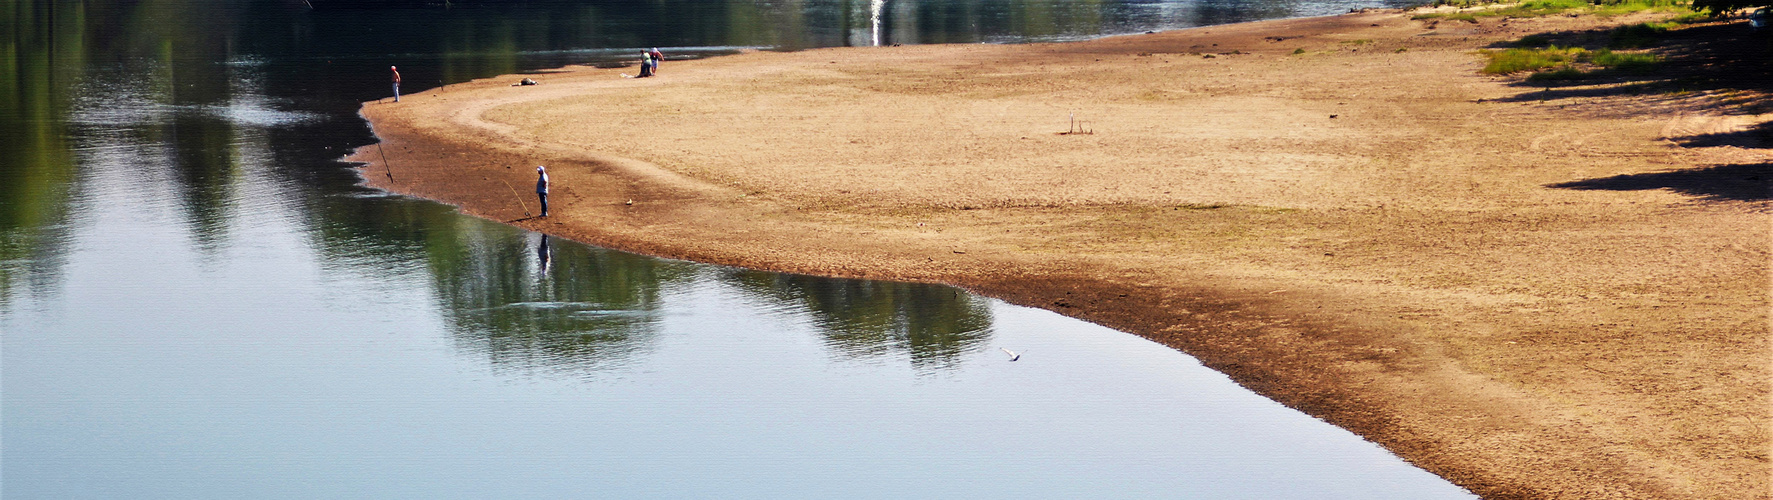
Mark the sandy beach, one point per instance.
(1533, 292)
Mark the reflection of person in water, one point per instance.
(544, 256)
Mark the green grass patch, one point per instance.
(1541, 8)
(1564, 63)
(1614, 8)
(1634, 63)
(1362, 41)
(1517, 60)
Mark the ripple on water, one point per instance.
(585, 309)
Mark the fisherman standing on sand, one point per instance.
(542, 187)
(396, 82)
(656, 56)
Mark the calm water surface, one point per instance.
(197, 301)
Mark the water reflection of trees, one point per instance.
(576, 308)
(564, 309)
(173, 62)
(932, 325)
(42, 44)
(66, 56)
(568, 308)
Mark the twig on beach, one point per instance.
(385, 164)
(1077, 127)
(515, 195)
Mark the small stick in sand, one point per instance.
(1077, 127)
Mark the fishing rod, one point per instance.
(515, 195)
(385, 164)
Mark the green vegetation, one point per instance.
(1634, 63)
(1722, 6)
(1568, 63)
(1540, 8)
(1635, 36)
(1518, 60)
(1549, 62)
(1630, 6)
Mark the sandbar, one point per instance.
(1534, 292)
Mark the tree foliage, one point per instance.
(1722, 6)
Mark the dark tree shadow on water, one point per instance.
(1747, 182)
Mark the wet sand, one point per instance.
(1534, 294)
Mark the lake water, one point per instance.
(197, 301)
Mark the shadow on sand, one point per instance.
(1756, 137)
(1747, 182)
(1725, 61)
(1698, 59)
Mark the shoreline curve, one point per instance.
(1338, 212)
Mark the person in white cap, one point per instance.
(542, 187)
(396, 82)
(657, 57)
